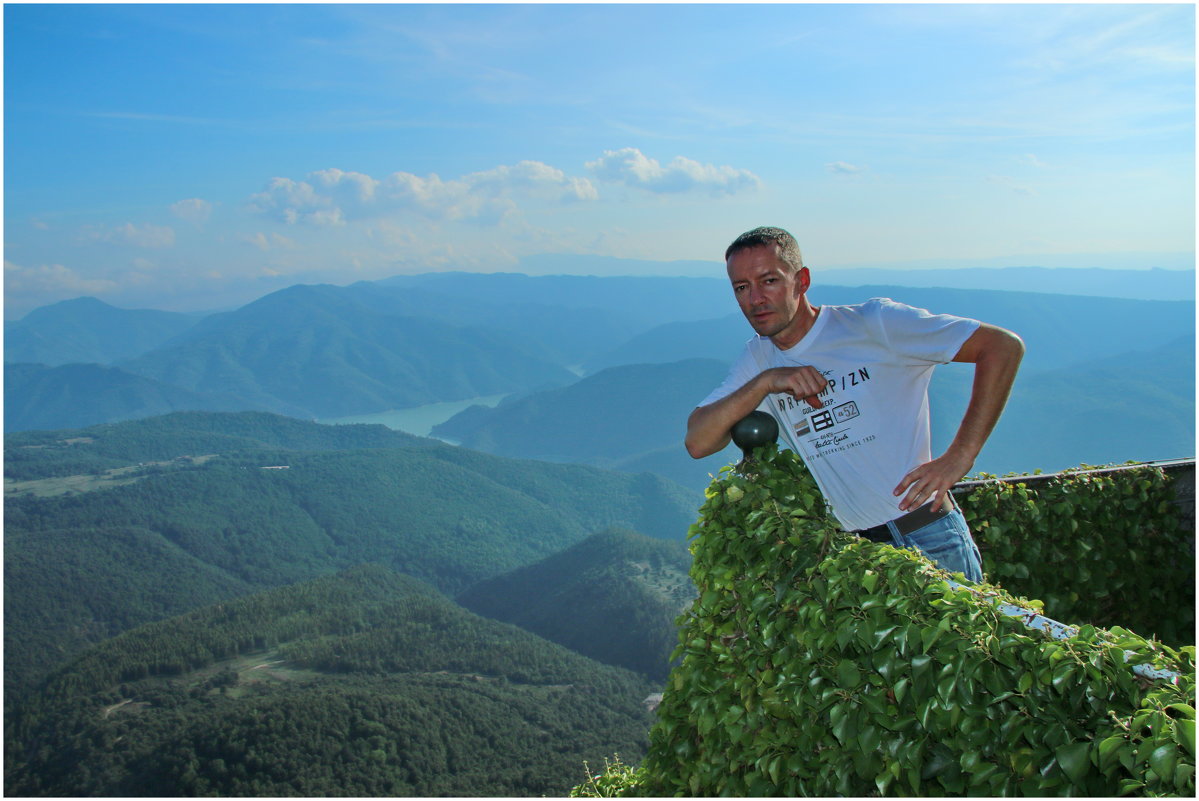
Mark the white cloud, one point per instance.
(51, 279)
(257, 239)
(843, 168)
(333, 196)
(265, 242)
(1032, 161)
(192, 210)
(1010, 183)
(145, 235)
(631, 167)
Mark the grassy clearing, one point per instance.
(118, 476)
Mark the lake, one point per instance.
(418, 420)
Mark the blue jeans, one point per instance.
(947, 542)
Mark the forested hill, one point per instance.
(366, 683)
(624, 591)
(41, 454)
(87, 330)
(80, 567)
(78, 395)
(323, 350)
(630, 418)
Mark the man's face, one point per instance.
(767, 290)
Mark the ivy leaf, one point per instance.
(839, 716)
(847, 674)
(870, 581)
(1184, 734)
(1186, 710)
(1107, 750)
(1075, 760)
(941, 759)
(1162, 761)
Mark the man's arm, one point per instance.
(996, 354)
(708, 426)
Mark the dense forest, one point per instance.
(247, 604)
(624, 590)
(362, 683)
(81, 567)
(46, 454)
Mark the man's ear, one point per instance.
(805, 280)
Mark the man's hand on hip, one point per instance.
(932, 481)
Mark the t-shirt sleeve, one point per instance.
(920, 335)
(743, 369)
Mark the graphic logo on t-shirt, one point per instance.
(817, 420)
(822, 419)
(846, 411)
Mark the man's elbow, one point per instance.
(694, 450)
(1013, 346)
(992, 344)
(693, 442)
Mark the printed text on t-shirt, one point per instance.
(850, 379)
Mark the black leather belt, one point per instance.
(916, 519)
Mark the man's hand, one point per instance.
(995, 353)
(802, 383)
(932, 481)
(708, 426)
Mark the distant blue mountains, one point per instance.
(603, 370)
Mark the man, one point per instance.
(849, 387)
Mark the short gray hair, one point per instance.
(769, 235)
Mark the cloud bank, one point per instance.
(333, 196)
(145, 235)
(629, 166)
(51, 279)
(192, 210)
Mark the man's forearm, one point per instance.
(995, 365)
(708, 426)
(996, 355)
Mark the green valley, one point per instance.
(361, 683)
(82, 567)
(624, 591)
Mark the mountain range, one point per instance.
(1058, 330)
(617, 418)
(1152, 284)
(207, 593)
(1055, 419)
(87, 330)
(547, 343)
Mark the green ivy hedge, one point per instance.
(817, 663)
(1108, 548)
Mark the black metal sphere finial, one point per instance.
(754, 430)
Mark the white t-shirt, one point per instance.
(873, 428)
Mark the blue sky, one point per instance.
(190, 157)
